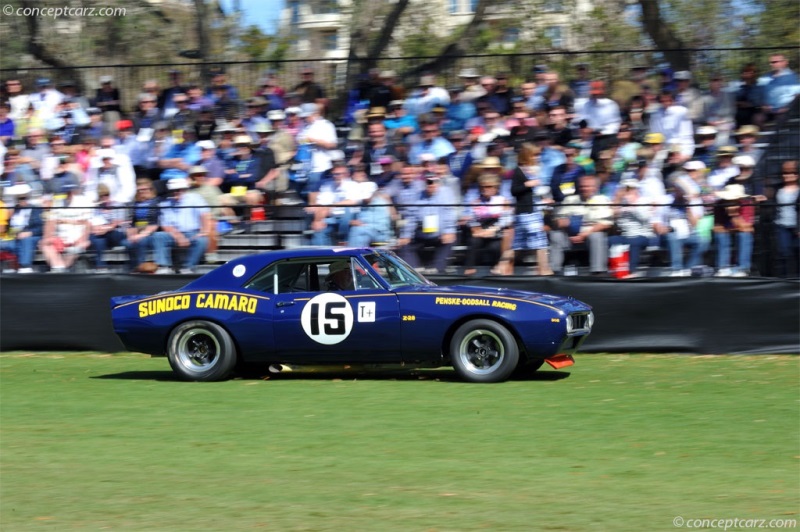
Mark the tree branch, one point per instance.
(385, 35)
(454, 50)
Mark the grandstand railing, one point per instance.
(287, 227)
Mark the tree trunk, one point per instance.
(37, 50)
(454, 50)
(664, 38)
(203, 46)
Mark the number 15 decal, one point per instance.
(327, 319)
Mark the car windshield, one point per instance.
(395, 270)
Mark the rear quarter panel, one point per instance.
(144, 324)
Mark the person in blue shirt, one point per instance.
(459, 112)
(398, 121)
(564, 181)
(243, 173)
(781, 88)
(6, 124)
(460, 161)
(180, 157)
(430, 222)
(432, 143)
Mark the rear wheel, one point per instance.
(201, 351)
(484, 351)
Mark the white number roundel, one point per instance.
(327, 318)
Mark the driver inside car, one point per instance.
(339, 277)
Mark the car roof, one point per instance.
(235, 272)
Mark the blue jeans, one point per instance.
(163, 244)
(744, 241)
(788, 251)
(312, 184)
(337, 230)
(361, 236)
(100, 243)
(24, 248)
(694, 242)
(137, 251)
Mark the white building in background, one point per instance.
(320, 28)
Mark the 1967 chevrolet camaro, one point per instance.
(347, 306)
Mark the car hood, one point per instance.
(564, 303)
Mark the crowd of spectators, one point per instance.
(542, 167)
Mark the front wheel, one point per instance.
(201, 351)
(484, 351)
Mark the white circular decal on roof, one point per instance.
(239, 270)
(327, 318)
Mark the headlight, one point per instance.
(580, 322)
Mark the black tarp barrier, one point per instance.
(669, 315)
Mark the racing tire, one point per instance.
(484, 351)
(201, 351)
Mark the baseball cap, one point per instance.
(263, 128)
(177, 183)
(276, 114)
(747, 130)
(308, 109)
(654, 138)
(704, 131)
(694, 165)
(206, 145)
(197, 169)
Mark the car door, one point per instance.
(315, 325)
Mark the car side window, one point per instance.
(286, 277)
(313, 275)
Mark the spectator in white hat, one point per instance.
(320, 138)
(688, 96)
(717, 108)
(734, 215)
(427, 96)
(26, 225)
(281, 141)
(754, 188)
(684, 213)
(186, 223)
(215, 168)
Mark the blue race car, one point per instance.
(347, 307)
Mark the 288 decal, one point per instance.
(327, 318)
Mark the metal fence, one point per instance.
(245, 75)
(278, 227)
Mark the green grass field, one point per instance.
(93, 442)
